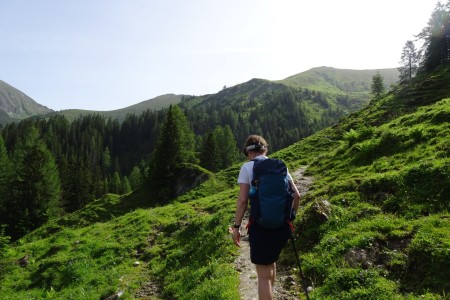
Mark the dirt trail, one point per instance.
(286, 287)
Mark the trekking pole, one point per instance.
(305, 288)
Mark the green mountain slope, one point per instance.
(376, 221)
(374, 225)
(349, 87)
(282, 113)
(15, 105)
(328, 79)
(156, 103)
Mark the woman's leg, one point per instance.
(266, 279)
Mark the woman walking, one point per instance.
(265, 244)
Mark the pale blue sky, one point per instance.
(109, 54)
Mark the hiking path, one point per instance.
(286, 286)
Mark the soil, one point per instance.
(286, 285)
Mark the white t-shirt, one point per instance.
(246, 172)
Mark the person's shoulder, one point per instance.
(246, 164)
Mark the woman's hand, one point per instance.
(235, 235)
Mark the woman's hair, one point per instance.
(255, 143)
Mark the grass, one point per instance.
(388, 234)
(93, 261)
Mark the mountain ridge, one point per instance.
(340, 80)
(16, 105)
(325, 79)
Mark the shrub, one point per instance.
(428, 267)
(366, 151)
(4, 241)
(349, 283)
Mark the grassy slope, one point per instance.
(156, 103)
(334, 80)
(16, 106)
(385, 235)
(91, 254)
(386, 173)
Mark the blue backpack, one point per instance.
(270, 193)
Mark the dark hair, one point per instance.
(255, 143)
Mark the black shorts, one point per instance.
(266, 244)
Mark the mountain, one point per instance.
(15, 105)
(354, 85)
(156, 103)
(284, 111)
(332, 80)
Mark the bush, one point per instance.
(426, 188)
(349, 283)
(428, 267)
(4, 241)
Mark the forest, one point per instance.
(52, 166)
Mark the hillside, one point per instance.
(15, 105)
(328, 79)
(376, 221)
(282, 112)
(156, 103)
(348, 88)
(374, 225)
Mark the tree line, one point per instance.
(435, 49)
(50, 166)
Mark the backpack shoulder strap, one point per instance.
(256, 174)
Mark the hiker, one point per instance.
(265, 244)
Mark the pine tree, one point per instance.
(436, 38)
(227, 145)
(5, 178)
(175, 146)
(115, 183)
(77, 180)
(126, 186)
(210, 156)
(106, 160)
(409, 62)
(36, 186)
(135, 178)
(377, 86)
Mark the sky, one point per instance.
(110, 54)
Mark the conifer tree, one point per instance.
(5, 178)
(175, 146)
(126, 186)
(135, 178)
(36, 186)
(116, 183)
(227, 145)
(106, 160)
(377, 85)
(436, 38)
(409, 62)
(211, 155)
(76, 184)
